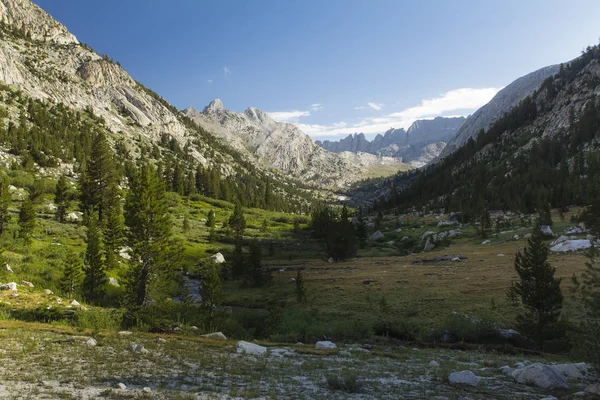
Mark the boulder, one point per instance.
(325, 344)
(160, 340)
(391, 242)
(486, 242)
(122, 386)
(51, 207)
(506, 370)
(147, 390)
(516, 237)
(72, 217)
(330, 260)
(427, 234)
(540, 375)
(404, 238)
(215, 335)
(527, 236)
(9, 286)
(137, 348)
(571, 245)
(398, 230)
(546, 230)
(574, 231)
(113, 282)
(434, 364)
(250, 348)
(217, 258)
(446, 223)
(572, 370)
(48, 292)
(500, 255)
(124, 253)
(508, 333)
(377, 235)
(27, 283)
(464, 378)
(125, 333)
(90, 342)
(429, 245)
(593, 389)
(75, 303)
(560, 240)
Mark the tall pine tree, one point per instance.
(61, 198)
(94, 269)
(5, 198)
(27, 220)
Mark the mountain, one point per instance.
(544, 151)
(421, 143)
(501, 103)
(285, 147)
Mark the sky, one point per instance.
(333, 67)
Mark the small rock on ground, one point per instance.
(464, 378)
(215, 335)
(325, 344)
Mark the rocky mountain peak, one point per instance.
(258, 116)
(23, 14)
(215, 107)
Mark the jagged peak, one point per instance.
(215, 106)
(256, 115)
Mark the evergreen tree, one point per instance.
(113, 231)
(95, 278)
(341, 237)
(361, 226)
(27, 220)
(212, 235)
(212, 295)
(5, 199)
(237, 221)
(149, 234)
(211, 219)
(545, 216)
(61, 198)
(300, 288)
(591, 215)
(98, 184)
(485, 224)
(539, 291)
(256, 273)
(70, 282)
(185, 225)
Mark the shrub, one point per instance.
(345, 380)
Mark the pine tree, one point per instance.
(149, 234)
(27, 220)
(185, 225)
(5, 199)
(237, 221)
(485, 223)
(113, 233)
(61, 198)
(545, 216)
(93, 265)
(70, 283)
(300, 288)
(591, 215)
(210, 220)
(361, 226)
(256, 273)
(539, 291)
(212, 295)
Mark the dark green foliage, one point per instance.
(256, 273)
(70, 282)
(361, 226)
(149, 236)
(591, 215)
(300, 288)
(61, 198)
(336, 229)
(212, 295)
(237, 221)
(485, 224)
(185, 226)
(27, 220)
(94, 269)
(545, 217)
(113, 231)
(5, 199)
(539, 291)
(345, 380)
(211, 219)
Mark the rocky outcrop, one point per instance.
(502, 102)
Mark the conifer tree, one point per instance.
(70, 282)
(300, 288)
(27, 220)
(256, 273)
(61, 198)
(112, 233)
(545, 217)
(485, 223)
(237, 221)
(539, 291)
(5, 199)
(185, 225)
(149, 234)
(93, 265)
(210, 220)
(212, 295)
(361, 226)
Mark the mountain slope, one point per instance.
(285, 147)
(422, 142)
(501, 103)
(543, 151)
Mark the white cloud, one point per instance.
(316, 107)
(288, 116)
(210, 81)
(455, 102)
(376, 106)
(226, 71)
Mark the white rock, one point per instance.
(426, 234)
(8, 268)
(434, 364)
(26, 283)
(500, 255)
(546, 230)
(250, 348)
(560, 240)
(571, 245)
(377, 235)
(51, 207)
(75, 303)
(113, 282)
(464, 378)
(325, 344)
(574, 231)
(506, 370)
(160, 340)
(48, 292)
(215, 335)
(516, 237)
(124, 253)
(90, 342)
(217, 258)
(147, 390)
(398, 230)
(540, 375)
(137, 348)
(330, 260)
(528, 236)
(9, 286)
(572, 370)
(59, 300)
(486, 242)
(12, 188)
(429, 245)
(391, 242)
(72, 217)
(446, 223)
(404, 238)
(122, 386)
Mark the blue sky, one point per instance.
(333, 66)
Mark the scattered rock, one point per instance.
(217, 258)
(528, 236)
(404, 238)
(122, 386)
(75, 303)
(516, 237)
(48, 292)
(398, 230)
(160, 340)
(427, 234)
(500, 255)
(574, 231)
(51, 384)
(429, 245)
(8, 268)
(90, 342)
(571, 245)
(9, 286)
(124, 253)
(72, 217)
(446, 223)
(250, 348)
(520, 365)
(215, 335)
(572, 370)
(27, 283)
(147, 390)
(546, 230)
(560, 240)
(506, 370)
(594, 389)
(137, 348)
(194, 327)
(464, 378)
(113, 282)
(58, 300)
(330, 260)
(508, 333)
(434, 364)
(541, 375)
(391, 242)
(325, 344)
(51, 207)
(486, 242)
(377, 235)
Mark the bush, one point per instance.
(98, 318)
(397, 330)
(471, 329)
(345, 380)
